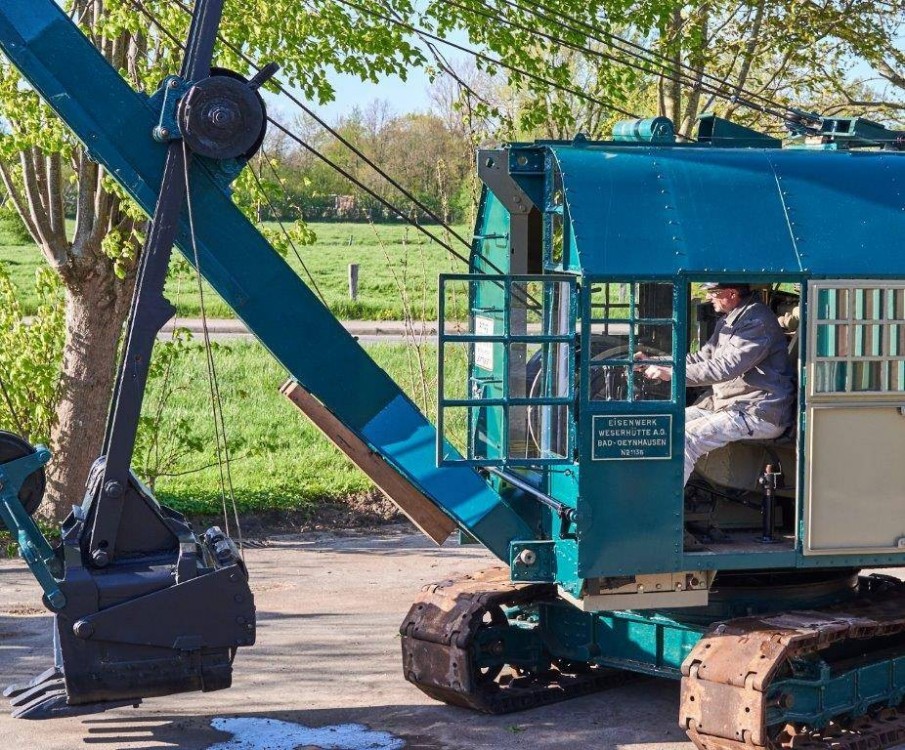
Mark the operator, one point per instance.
(746, 363)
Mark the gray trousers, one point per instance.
(707, 430)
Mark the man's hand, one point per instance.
(658, 372)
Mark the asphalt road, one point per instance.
(327, 656)
(366, 331)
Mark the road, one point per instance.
(327, 655)
(366, 331)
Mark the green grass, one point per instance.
(280, 461)
(21, 262)
(393, 259)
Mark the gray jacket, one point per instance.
(747, 363)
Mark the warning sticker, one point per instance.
(620, 437)
(483, 351)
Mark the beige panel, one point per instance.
(856, 479)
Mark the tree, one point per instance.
(835, 57)
(95, 261)
(96, 258)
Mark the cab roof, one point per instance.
(659, 211)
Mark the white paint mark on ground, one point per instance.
(272, 734)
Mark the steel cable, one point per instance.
(223, 461)
(339, 137)
(279, 221)
(664, 63)
(392, 207)
(137, 4)
(681, 78)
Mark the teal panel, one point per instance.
(630, 507)
(845, 210)
(490, 247)
(666, 210)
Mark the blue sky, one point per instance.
(404, 96)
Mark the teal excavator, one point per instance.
(745, 584)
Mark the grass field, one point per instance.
(395, 262)
(280, 461)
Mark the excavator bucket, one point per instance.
(142, 605)
(166, 615)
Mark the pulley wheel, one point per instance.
(222, 117)
(32, 492)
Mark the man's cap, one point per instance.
(741, 287)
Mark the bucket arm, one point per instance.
(360, 400)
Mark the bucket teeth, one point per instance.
(51, 673)
(40, 697)
(44, 697)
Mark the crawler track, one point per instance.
(733, 694)
(439, 648)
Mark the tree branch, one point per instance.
(56, 213)
(84, 211)
(55, 254)
(18, 200)
(890, 74)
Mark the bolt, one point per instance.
(238, 598)
(783, 700)
(83, 629)
(113, 488)
(161, 133)
(222, 115)
(173, 83)
(527, 557)
(100, 557)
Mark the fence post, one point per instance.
(353, 281)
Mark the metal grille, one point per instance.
(507, 373)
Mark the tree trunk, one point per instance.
(96, 308)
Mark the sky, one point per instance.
(404, 96)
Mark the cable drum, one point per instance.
(223, 117)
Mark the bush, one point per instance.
(30, 356)
(12, 228)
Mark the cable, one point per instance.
(216, 399)
(665, 64)
(346, 143)
(393, 208)
(283, 227)
(487, 58)
(356, 151)
(351, 146)
(680, 78)
(345, 173)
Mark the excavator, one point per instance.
(746, 585)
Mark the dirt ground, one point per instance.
(329, 606)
